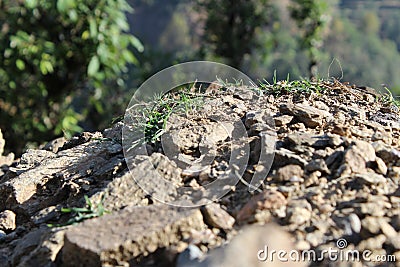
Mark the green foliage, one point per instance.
(81, 214)
(297, 87)
(367, 59)
(231, 26)
(153, 117)
(388, 98)
(311, 17)
(51, 50)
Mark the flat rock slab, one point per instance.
(39, 167)
(116, 239)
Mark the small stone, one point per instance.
(283, 120)
(387, 229)
(267, 200)
(252, 247)
(190, 255)
(357, 156)
(335, 140)
(371, 224)
(303, 245)
(355, 223)
(299, 212)
(371, 178)
(215, 216)
(321, 105)
(315, 238)
(381, 166)
(7, 220)
(284, 157)
(286, 173)
(310, 116)
(381, 135)
(317, 165)
(372, 243)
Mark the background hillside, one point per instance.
(362, 38)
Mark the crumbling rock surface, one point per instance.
(334, 176)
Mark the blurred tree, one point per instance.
(366, 59)
(230, 27)
(371, 23)
(49, 51)
(311, 17)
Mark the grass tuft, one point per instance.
(81, 214)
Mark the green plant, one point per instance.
(303, 86)
(81, 214)
(388, 98)
(154, 115)
(58, 60)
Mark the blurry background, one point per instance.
(73, 65)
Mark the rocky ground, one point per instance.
(333, 184)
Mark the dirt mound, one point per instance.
(333, 172)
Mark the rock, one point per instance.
(315, 238)
(287, 173)
(254, 245)
(382, 135)
(316, 141)
(215, 216)
(121, 192)
(357, 156)
(27, 244)
(370, 178)
(355, 223)
(386, 153)
(284, 156)
(34, 157)
(317, 165)
(299, 212)
(310, 116)
(381, 166)
(191, 255)
(372, 243)
(115, 132)
(267, 200)
(7, 220)
(54, 145)
(376, 209)
(283, 120)
(115, 239)
(52, 171)
(46, 252)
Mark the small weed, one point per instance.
(154, 116)
(81, 214)
(303, 86)
(388, 98)
(227, 84)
